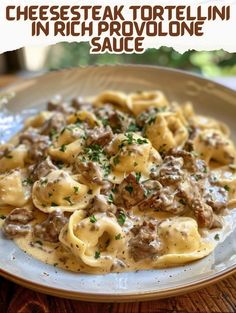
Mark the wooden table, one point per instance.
(220, 297)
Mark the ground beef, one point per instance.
(145, 242)
(54, 124)
(79, 104)
(170, 172)
(216, 197)
(42, 169)
(165, 199)
(129, 192)
(117, 120)
(17, 223)
(91, 172)
(50, 229)
(59, 105)
(203, 212)
(100, 203)
(99, 135)
(191, 163)
(38, 144)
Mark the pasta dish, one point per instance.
(118, 182)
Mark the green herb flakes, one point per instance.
(93, 219)
(121, 218)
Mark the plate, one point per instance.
(24, 98)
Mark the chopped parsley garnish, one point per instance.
(68, 199)
(104, 121)
(97, 255)
(217, 237)
(129, 188)
(133, 128)
(94, 152)
(110, 198)
(121, 218)
(129, 139)
(226, 187)
(2, 217)
(107, 169)
(118, 237)
(141, 141)
(93, 219)
(116, 160)
(27, 182)
(76, 190)
(54, 204)
(62, 148)
(138, 176)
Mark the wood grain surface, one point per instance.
(218, 298)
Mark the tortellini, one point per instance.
(131, 152)
(167, 131)
(93, 241)
(38, 120)
(58, 190)
(83, 116)
(212, 145)
(200, 121)
(141, 101)
(115, 98)
(13, 190)
(13, 158)
(182, 241)
(68, 144)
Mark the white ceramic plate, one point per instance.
(208, 98)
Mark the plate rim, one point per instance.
(118, 297)
(125, 297)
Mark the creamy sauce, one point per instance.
(56, 254)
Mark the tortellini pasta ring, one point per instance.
(84, 116)
(38, 120)
(141, 101)
(112, 97)
(59, 191)
(213, 145)
(95, 243)
(182, 242)
(12, 189)
(131, 153)
(167, 131)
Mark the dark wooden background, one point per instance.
(220, 297)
